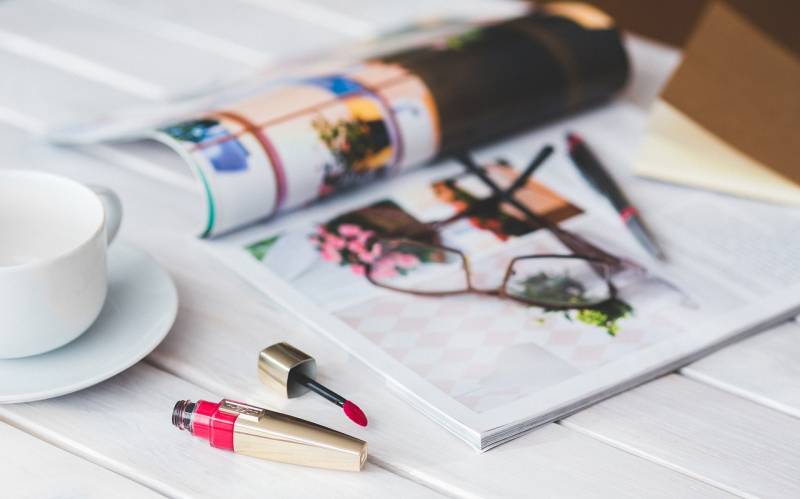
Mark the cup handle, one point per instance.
(113, 209)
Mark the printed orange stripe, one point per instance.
(269, 150)
(299, 112)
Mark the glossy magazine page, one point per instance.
(490, 367)
(282, 149)
(491, 316)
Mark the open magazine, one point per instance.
(490, 314)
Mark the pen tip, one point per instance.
(355, 413)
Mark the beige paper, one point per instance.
(677, 149)
(728, 118)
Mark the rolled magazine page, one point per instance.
(285, 148)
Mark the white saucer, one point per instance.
(138, 313)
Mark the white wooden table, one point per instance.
(727, 425)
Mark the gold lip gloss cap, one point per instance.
(274, 436)
(276, 365)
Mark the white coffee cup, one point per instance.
(54, 234)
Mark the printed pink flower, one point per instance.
(366, 257)
(330, 254)
(364, 236)
(384, 269)
(357, 248)
(405, 260)
(376, 251)
(335, 242)
(349, 230)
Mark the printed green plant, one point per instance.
(349, 141)
(606, 315)
(260, 249)
(565, 289)
(460, 41)
(554, 289)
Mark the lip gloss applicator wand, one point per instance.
(350, 409)
(290, 372)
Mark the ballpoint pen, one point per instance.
(599, 178)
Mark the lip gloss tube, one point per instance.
(258, 432)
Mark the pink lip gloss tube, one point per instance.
(258, 432)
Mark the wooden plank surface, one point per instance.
(132, 58)
(236, 27)
(28, 90)
(671, 438)
(720, 438)
(763, 368)
(223, 323)
(29, 466)
(215, 343)
(124, 425)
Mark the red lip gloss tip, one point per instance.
(355, 414)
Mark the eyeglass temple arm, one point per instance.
(573, 242)
(495, 198)
(534, 165)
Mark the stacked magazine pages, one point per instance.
(395, 207)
